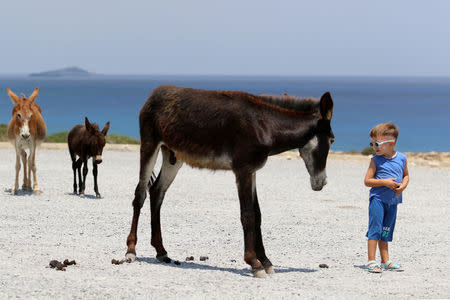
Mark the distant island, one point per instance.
(65, 72)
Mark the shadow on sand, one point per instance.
(200, 266)
(21, 193)
(85, 196)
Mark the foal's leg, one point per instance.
(78, 165)
(32, 167)
(15, 189)
(85, 171)
(259, 247)
(244, 181)
(26, 179)
(95, 172)
(149, 153)
(169, 170)
(74, 169)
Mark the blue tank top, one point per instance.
(388, 168)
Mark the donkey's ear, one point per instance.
(105, 129)
(87, 124)
(15, 99)
(326, 106)
(33, 95)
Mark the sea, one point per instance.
(419, 106)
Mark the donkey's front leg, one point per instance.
(83, 184)
(74, 169)
(79, 163)
(26, 186)
(32, 167)
(15, 189)
(259, 246)
(245, 189)
(95, 172)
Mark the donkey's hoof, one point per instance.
(130, 257)
(98, 196)
(164, 258)
(259, 273)
(269, 270)
(37, 192)
(81, 195)
(14, 191)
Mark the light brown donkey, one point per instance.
(26, 130)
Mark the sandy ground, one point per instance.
(200, 217)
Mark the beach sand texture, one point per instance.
(200, 217)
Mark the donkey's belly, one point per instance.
(213, 162)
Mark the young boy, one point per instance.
(387, 176)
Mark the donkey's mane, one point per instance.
(284, 103)
(288, 102)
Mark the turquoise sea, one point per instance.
(419, 106)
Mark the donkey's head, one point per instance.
(315, 151)
(22, 113)
(96, 139)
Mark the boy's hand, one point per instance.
(400, 189)
(390, 183)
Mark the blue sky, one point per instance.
(233, 37)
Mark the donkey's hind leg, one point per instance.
(74, 169)
(149, 154)
(169, 170)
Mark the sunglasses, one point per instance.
(378, 144)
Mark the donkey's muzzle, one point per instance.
(25, 136)
(98, 159)
(319, 181)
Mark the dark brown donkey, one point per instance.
(229, 131)
(85, 142)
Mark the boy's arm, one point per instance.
(405, 180)
(372, 182)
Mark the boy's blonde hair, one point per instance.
(384, 129)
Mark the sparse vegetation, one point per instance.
(121, 139)
(3, 134)
(353, 152)
(368, 151)
(61, 137)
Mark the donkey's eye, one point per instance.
(332, 140)
(19, 116)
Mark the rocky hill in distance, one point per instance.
(65, 72)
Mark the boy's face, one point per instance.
(383, 144)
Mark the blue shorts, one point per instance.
(382, 218)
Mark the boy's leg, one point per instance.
(384, 251)
(376, 214)
(390, 217)
(371, 249)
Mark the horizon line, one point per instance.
(94, 74)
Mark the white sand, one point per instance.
(200, 216)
